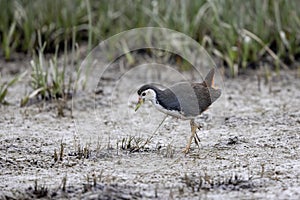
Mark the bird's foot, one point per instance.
(186, 150)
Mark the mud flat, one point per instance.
(249, 146)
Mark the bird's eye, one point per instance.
(143, 94)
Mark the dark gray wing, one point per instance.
(194, 98)
(168, 100)
(187, 99)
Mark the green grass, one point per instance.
(241, 33)
(50, 80)
(4, 87)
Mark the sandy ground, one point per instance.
(249, 145)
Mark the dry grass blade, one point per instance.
(5, 86)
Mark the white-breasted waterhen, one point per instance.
(183, 100)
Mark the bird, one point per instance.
(183, 100)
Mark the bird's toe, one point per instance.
(186, 150)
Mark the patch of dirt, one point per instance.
(249, 146)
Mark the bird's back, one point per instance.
(194, 98)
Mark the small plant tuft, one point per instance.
(61, 151)
(134, 144)
(64, 183)
(55, 156)
(234, 181)
(50, 81)
(39, 191)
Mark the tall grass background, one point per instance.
(241, 34)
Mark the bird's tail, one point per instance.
(209, 79)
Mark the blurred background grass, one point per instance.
(241, 34)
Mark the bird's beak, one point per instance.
(139, 103)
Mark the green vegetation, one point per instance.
(5, 86)
(241, 33)
(49, 80)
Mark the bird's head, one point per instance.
(146, 92)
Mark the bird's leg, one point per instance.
(199, 126)
(196, 138)
(193, 130)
